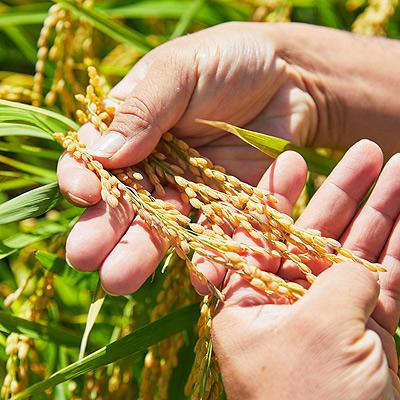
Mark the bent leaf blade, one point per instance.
(273, 146)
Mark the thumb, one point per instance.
(155, 105)
(346, 289)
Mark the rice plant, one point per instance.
(61, 336)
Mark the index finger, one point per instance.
(78, 184)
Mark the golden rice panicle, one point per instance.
(15, 380)
(204, 380)
(56, 14)
(112, 189)
(119, 385)
(20, 349)
(272, 11)
(221, 198)
(96, 110)
(56, 53)
(161, 359)
(374, 19)
(17, 93)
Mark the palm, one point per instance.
(371, 232)
(239, 159)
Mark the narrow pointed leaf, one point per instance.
(35, 330)
(18, 183)
(30, 204)
(13, 243)
(21, 148)
(22, 41)
(31, 169)
(100, 20)
(58, 117)
(15, 129)
(187, 18)
(130, 345)
(273, 146)
(94, 309)
(21, 18)
(51, 262)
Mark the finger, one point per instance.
(96, 233)
(367, 234)
(333, 206)
(153, 107)
(387, 311)
(346, 287)
(212, 272)
(137, 254)
(285, 179)
(78, 184)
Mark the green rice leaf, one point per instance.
(164, 9)
(31, 169)
(13, 243)
(18, 183)
(15, 129)
(21, 148)
(51, 262)
(35, 330)
(14, 18)
(103, 23)
(273, 146)
(25, 14)
(30, 204)
(94, 309)
(130, 345)
(41, 111)
(187, 18)
(65, 274)
(22, 41)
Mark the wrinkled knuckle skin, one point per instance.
(134, 114)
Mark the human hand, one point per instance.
(337, 341)
(231, 73)
(248, 74)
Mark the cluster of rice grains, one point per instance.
(204, 381)
(23, 356)
(162, 358)
(222, 199)
(271, 10)
(115, 380)
(67, 44)
(374, 19)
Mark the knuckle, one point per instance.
(136, 113)
(367, 352)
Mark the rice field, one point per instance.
(61, 335)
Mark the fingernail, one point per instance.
(108, 145)
(69, 262)
(78, 200)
